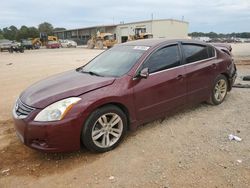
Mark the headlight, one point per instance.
(57, 110)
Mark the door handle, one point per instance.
(214, 66)
(179, 77)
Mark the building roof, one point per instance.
(171, 20)
(91, 27)
(114, 25)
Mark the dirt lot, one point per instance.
(188, 149)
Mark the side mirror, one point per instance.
(144, 73)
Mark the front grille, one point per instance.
(22, 110)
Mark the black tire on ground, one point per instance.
(92, 122)
(99, 44)
(246, 78)
(215, 99)
(90, 44)
(11, 50)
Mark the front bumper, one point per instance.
(58, 136)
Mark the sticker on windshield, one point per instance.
(144, 48)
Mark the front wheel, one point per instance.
(104, 129)
(99, 44)
(90, 44)
(220, 89)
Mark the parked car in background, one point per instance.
(10, 46)
(16, 47)
(68, 43)
(53, 44)
(27, 44)
(125, 86)
(5, 45)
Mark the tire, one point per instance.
(10, 50)
(99, 44)
(99, 136)
(90, 44)
(246, 78)
(219, 91)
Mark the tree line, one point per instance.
(220, 35)
(24, 32)
(13, 33)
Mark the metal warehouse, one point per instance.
(164, 28)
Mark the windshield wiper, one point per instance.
(94, 73)
(91, 73)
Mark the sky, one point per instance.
(221, 16)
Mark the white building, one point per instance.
(164, 28)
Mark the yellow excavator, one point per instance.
(52, 38)
(140, 33)
(38, 41)
(101, 40)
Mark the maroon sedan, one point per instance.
(53, 44)
(127, 85)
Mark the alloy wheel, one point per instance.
(107, 130)
(220, 90)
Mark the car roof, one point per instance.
(158, 41)
(4, 40)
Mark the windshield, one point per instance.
(115, 62)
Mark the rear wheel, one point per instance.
(11, 50)
(220, 89)
(104, 129)
(90, 44)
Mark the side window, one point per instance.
(194, 52)
(211, 51)
(162, 59)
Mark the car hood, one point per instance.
(64, 85)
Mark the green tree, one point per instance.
(10, 33)
(59, 29)
(23, 33)
(27, 32)
(45, 27)
(1, 34)
(33, 32)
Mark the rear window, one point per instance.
(211, 51)
(194, 52)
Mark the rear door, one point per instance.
(165, 88)
(200, 65)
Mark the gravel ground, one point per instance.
(188, 149)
